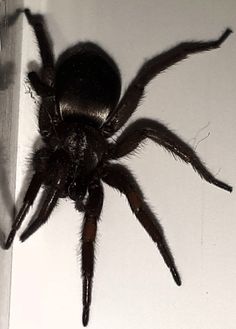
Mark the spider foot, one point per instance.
(28, 232)
(223, 185)
(27, 12)
(10, 240)
(85, 317)
(176, 276)
(33, 19)
(225, 35)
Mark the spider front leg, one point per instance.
(137, 132)
(50, 201)
(148, 71)
(40, 88)
(120, 178)
(93, 209)
(45, 47)
(28, 201)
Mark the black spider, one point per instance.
(79, 112)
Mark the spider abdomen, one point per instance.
(87, 83)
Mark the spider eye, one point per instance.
(55, 122)
(45, 133)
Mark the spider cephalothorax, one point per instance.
(80, 109)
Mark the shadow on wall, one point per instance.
(6, 197)
(7, 81)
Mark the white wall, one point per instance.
(132, 286)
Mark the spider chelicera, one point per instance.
(80, 110)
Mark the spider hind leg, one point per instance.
(120, 178)
(93, 209)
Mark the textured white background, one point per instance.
(132, 286)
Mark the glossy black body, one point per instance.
(78, 93)
(80, 110)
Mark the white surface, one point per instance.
(132, 286)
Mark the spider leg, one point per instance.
(148, 71)
(120, 178)
(28, 201)
(45, 48)
(52, 195)
(93, 209)
(141, 129)
(41, 88)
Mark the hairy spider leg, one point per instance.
(141, 129)
(147, 72)
(40, 88)
(43, 89)
(45, 48)
(29, 198)
(120, 178)
(50, 201)
(93, 209)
